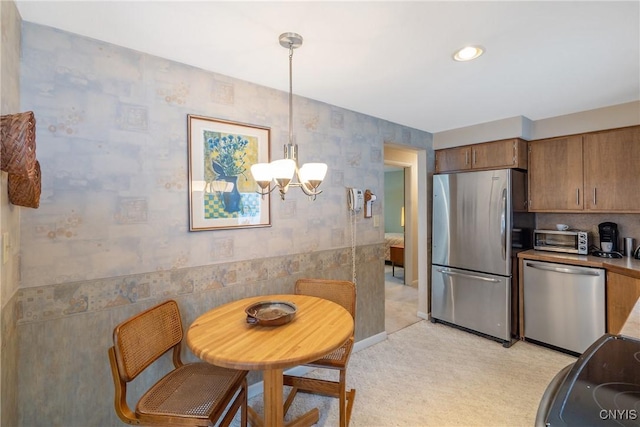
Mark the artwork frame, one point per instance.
(222, 192)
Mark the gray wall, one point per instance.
(9, 221)
(113, 148)
(111, 135)
(611, 117)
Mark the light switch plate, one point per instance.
(376, 220)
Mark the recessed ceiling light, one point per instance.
(468, 53)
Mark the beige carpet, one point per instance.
(399, 315)
(434, 375)
(400, 303)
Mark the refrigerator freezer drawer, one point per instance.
(564, 305)
(477, 301)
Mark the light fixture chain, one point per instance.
(291, 93)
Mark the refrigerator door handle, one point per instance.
(564, 270)
(503, 225)
(471, 276)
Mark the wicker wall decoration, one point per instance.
(18, 158)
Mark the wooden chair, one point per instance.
(194, 394)
(343, 293)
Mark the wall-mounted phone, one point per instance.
(369, 198)
(355, 199)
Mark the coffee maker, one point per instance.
(608, 240)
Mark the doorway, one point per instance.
(394, 206)
(413, 163)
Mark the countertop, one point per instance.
(626, 266)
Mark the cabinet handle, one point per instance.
(503, 224)
(466, 157)
(594, 196)
(474, 157)
(578, 196)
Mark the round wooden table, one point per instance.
(223, 337)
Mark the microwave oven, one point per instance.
(569, 241)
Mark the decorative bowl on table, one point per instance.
(271, 313)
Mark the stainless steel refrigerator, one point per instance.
(480, 221)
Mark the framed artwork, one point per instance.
(222, 192)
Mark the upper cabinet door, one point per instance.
(504, 154)
(612, 170)
(509, 153)
(555, 175)
(453, 159)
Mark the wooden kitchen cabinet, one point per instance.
(507, 153)
(622, 294)
(612, 170)
(453, 159)
(555, 175)
(594, 172)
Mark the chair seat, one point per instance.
(193, 391)
(336, 359)
(341, 292)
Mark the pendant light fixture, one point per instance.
(285, 172)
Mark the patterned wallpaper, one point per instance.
(112, 142)
(10, 221)
(9, 104)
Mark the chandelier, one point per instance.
(285, 172)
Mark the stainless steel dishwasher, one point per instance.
(564, 305)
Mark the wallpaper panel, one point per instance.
(9, 220)
(112, 141)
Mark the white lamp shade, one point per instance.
(313, 172)
(283, 169)
(261, 172)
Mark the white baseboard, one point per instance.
(368, 342)
(257, 388)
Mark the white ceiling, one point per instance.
(390, 59)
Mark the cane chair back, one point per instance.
(344, 293)
(192, 394)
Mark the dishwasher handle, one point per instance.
(471, 276)
(586, 271)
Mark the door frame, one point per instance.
(417, 234)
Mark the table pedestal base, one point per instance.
(306, 420)
(273, 405)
